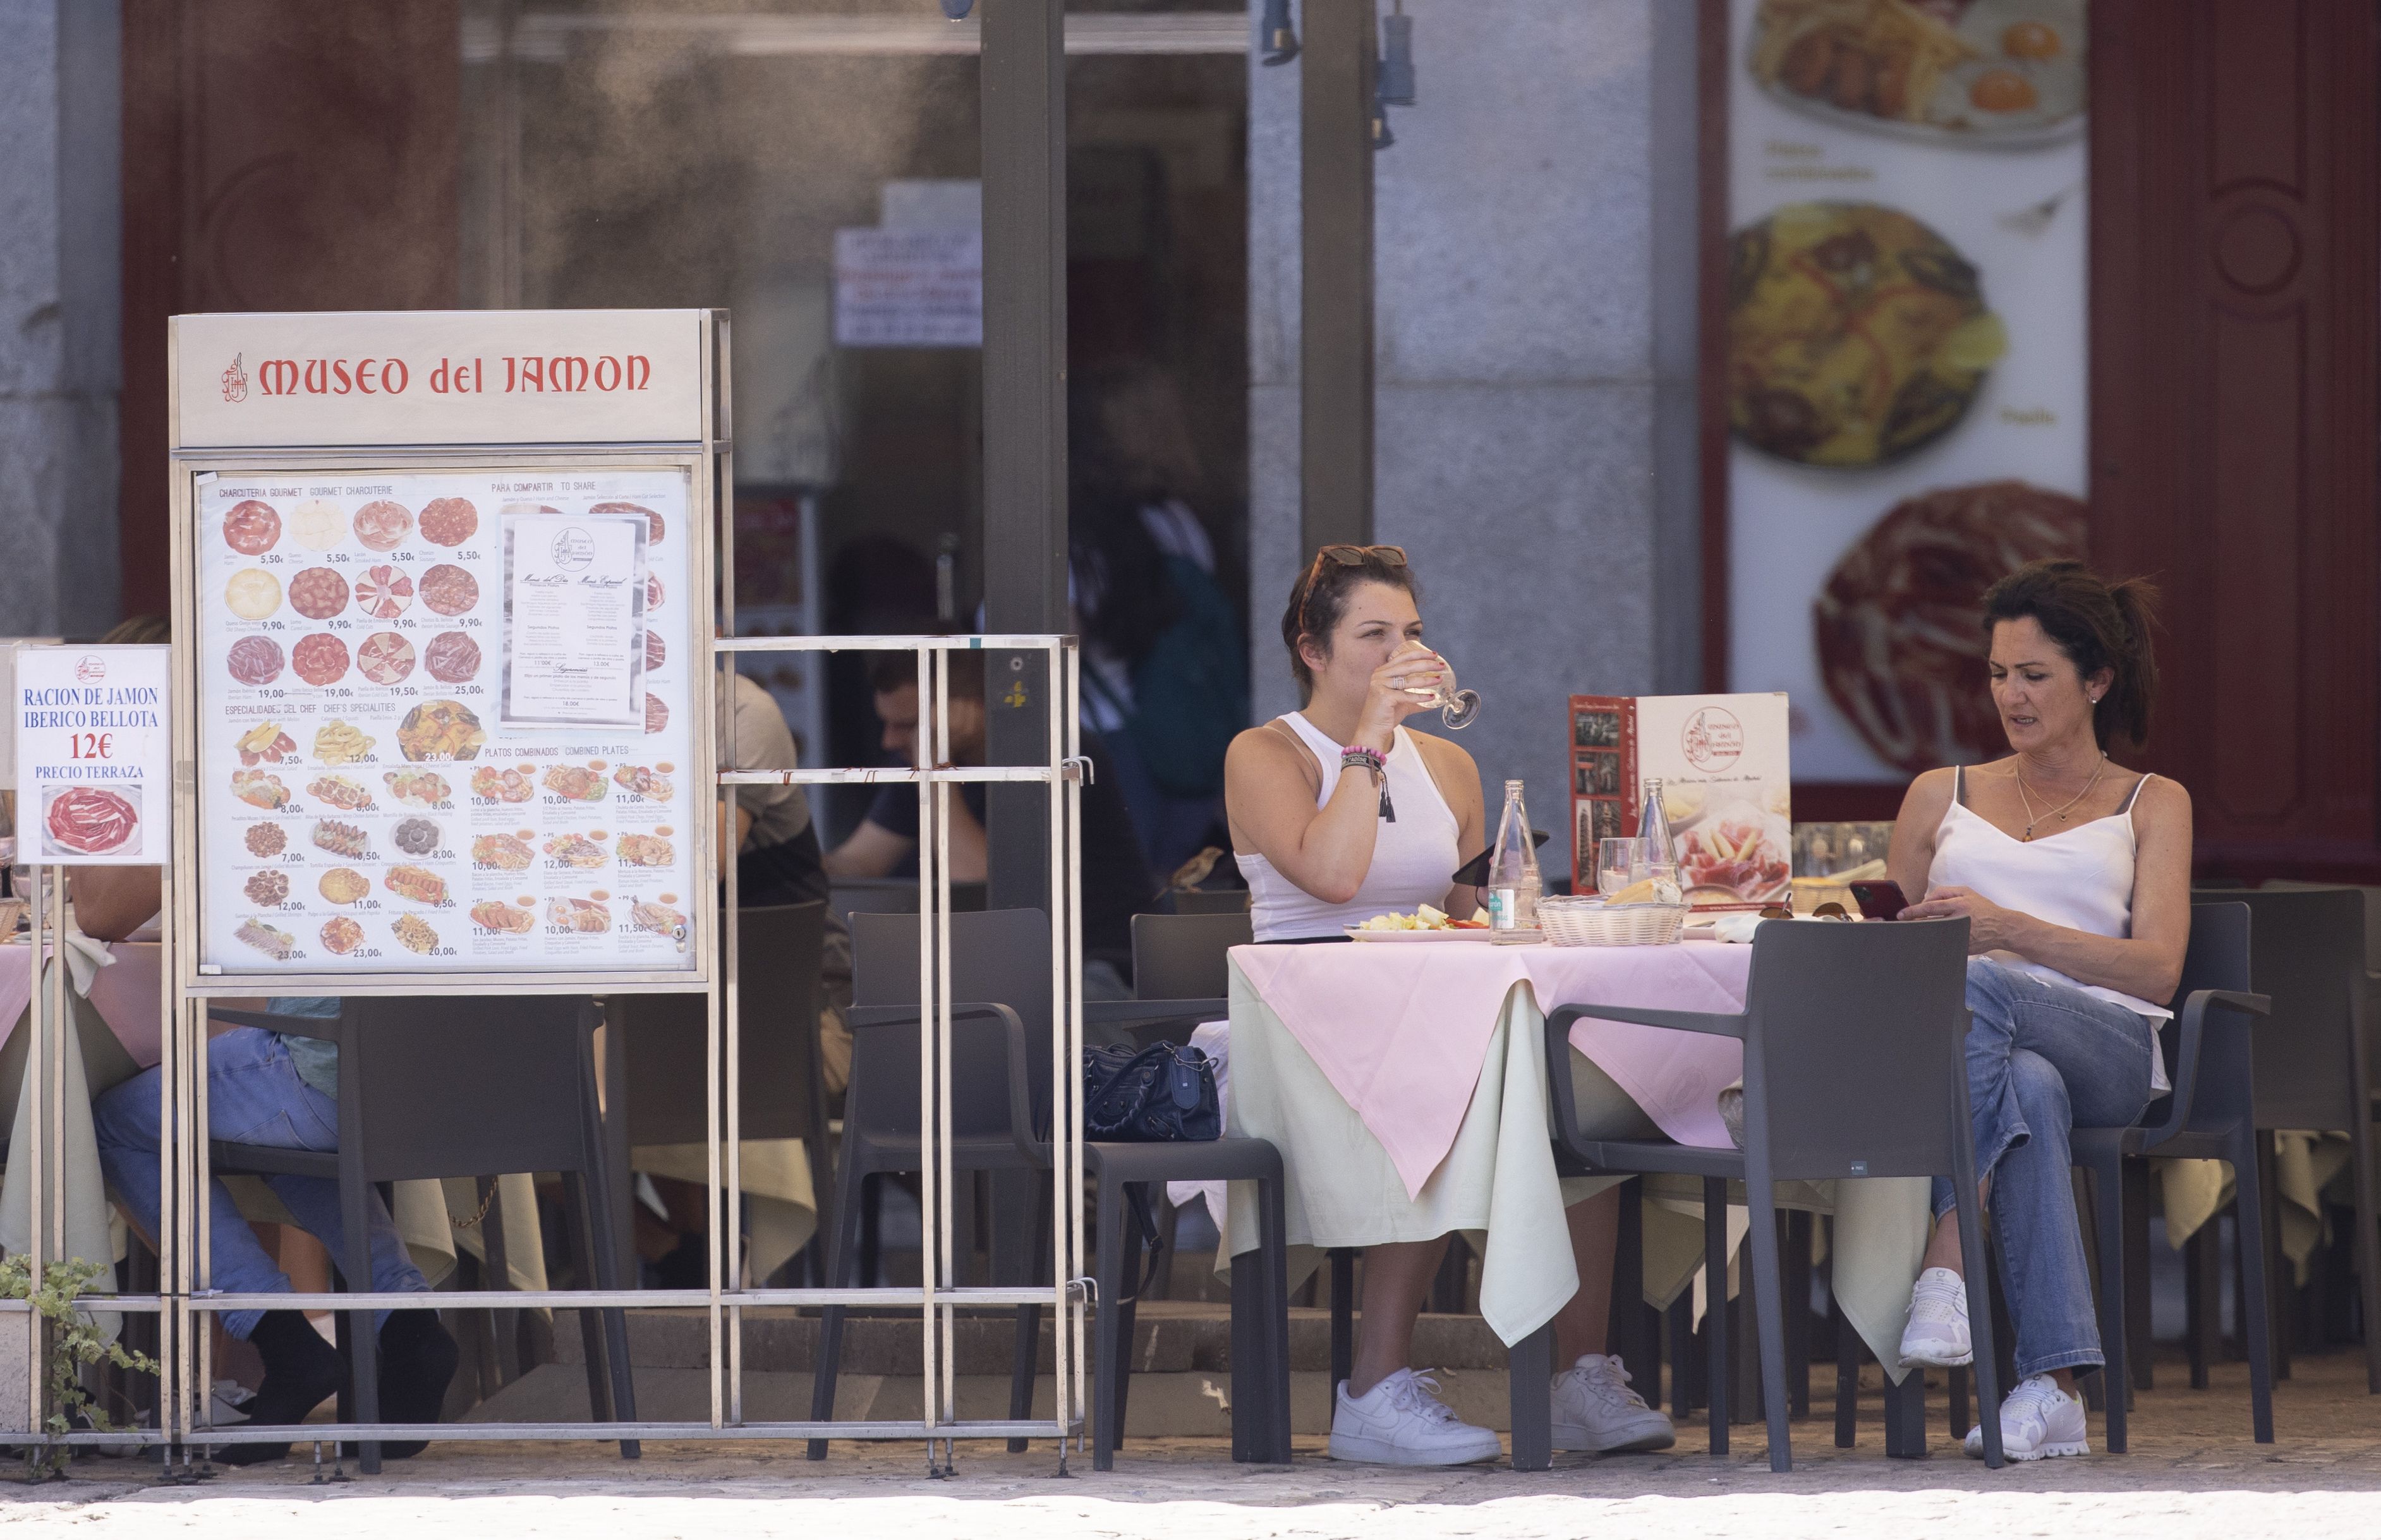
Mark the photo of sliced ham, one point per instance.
(89, 819)
(385, 593)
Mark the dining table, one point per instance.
(1405, 1085)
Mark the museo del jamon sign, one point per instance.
(438, 377)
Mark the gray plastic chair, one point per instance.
(1180, 957)
(2313, 1063)
(1001, 1045)
(1854, 1066)
(781, 1089)
(2211, 1115)
(437, 1086)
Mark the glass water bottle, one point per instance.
(1513, 885)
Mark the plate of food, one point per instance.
(1857, 334)
(1424, 924)
(1989, 74)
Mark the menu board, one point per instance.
(445, 721)
(1725, 765)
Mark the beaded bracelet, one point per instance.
(1364, 756)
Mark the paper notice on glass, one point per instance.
(575, 619)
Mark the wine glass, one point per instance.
(1619, 861)
(1457, 708)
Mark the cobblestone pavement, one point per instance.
(2192, 1471)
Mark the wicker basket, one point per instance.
(1580, 921)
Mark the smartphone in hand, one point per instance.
(1881, 899)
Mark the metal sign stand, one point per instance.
(279, 428)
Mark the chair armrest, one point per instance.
(1110, 1012)
(324, 1027)
(1708, 1022)
(2193, 1029)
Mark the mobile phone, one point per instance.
(1881, 899)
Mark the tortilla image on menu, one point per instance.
(89, 820)
(574, 647)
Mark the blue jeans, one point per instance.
(2043, 1058)
(254, 1097)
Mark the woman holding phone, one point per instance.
(2073, 873)
(1341, 811)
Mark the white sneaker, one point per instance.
(2039, 1421)
(1938, 1332)
(1595, 1410)
(1401, 1422)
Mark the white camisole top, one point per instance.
(2081, 878)
(1413, 859)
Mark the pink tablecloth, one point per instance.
(125, 994)
(1401, 1030)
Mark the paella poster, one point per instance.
(94, 756)
(1906, 335)
(366, 803)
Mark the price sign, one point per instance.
(94, 756)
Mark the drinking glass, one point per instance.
(1619, 861)
(1457, 708)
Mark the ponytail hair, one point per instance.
(2097, 625)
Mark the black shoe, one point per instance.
(301, 1372)
(417, 1364)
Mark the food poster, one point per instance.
(1726, 769)
(94, 756)
(1907, 356)
(366, 803)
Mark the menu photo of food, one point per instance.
(2000, 74)
(366, 805)
(1726, 788)
(1856, 335)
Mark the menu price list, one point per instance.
(365, 804)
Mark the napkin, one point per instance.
(85, 957)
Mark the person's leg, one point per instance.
(1397, 1281)
(1582, 1325)
(248, 1076)
(2034, 1207)
(243, 1106)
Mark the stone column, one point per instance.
(60, 303)
(1535, 441)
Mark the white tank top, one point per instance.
(1413, 859)
(2081, 878)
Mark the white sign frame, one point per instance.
(87, 723)
(705, 461)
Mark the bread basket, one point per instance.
(1577, 921)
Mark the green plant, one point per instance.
(78, 1343)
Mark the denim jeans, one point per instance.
(254, 1097)
(2043, 1059)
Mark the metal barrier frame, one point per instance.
(186, 1300)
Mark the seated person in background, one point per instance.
(1339, 812)
(1115, 880)
(264, 1088)
(779, 862)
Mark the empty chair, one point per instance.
(459, 1086)
(1182, 957)
(782, 1093)
(1000, 1098)
(1853, 1063)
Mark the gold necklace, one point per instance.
(2033, 818)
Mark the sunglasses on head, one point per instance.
(1343, 556)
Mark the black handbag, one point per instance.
(1161, 1094)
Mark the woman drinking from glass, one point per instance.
(2074, 875)
(1338, 812)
